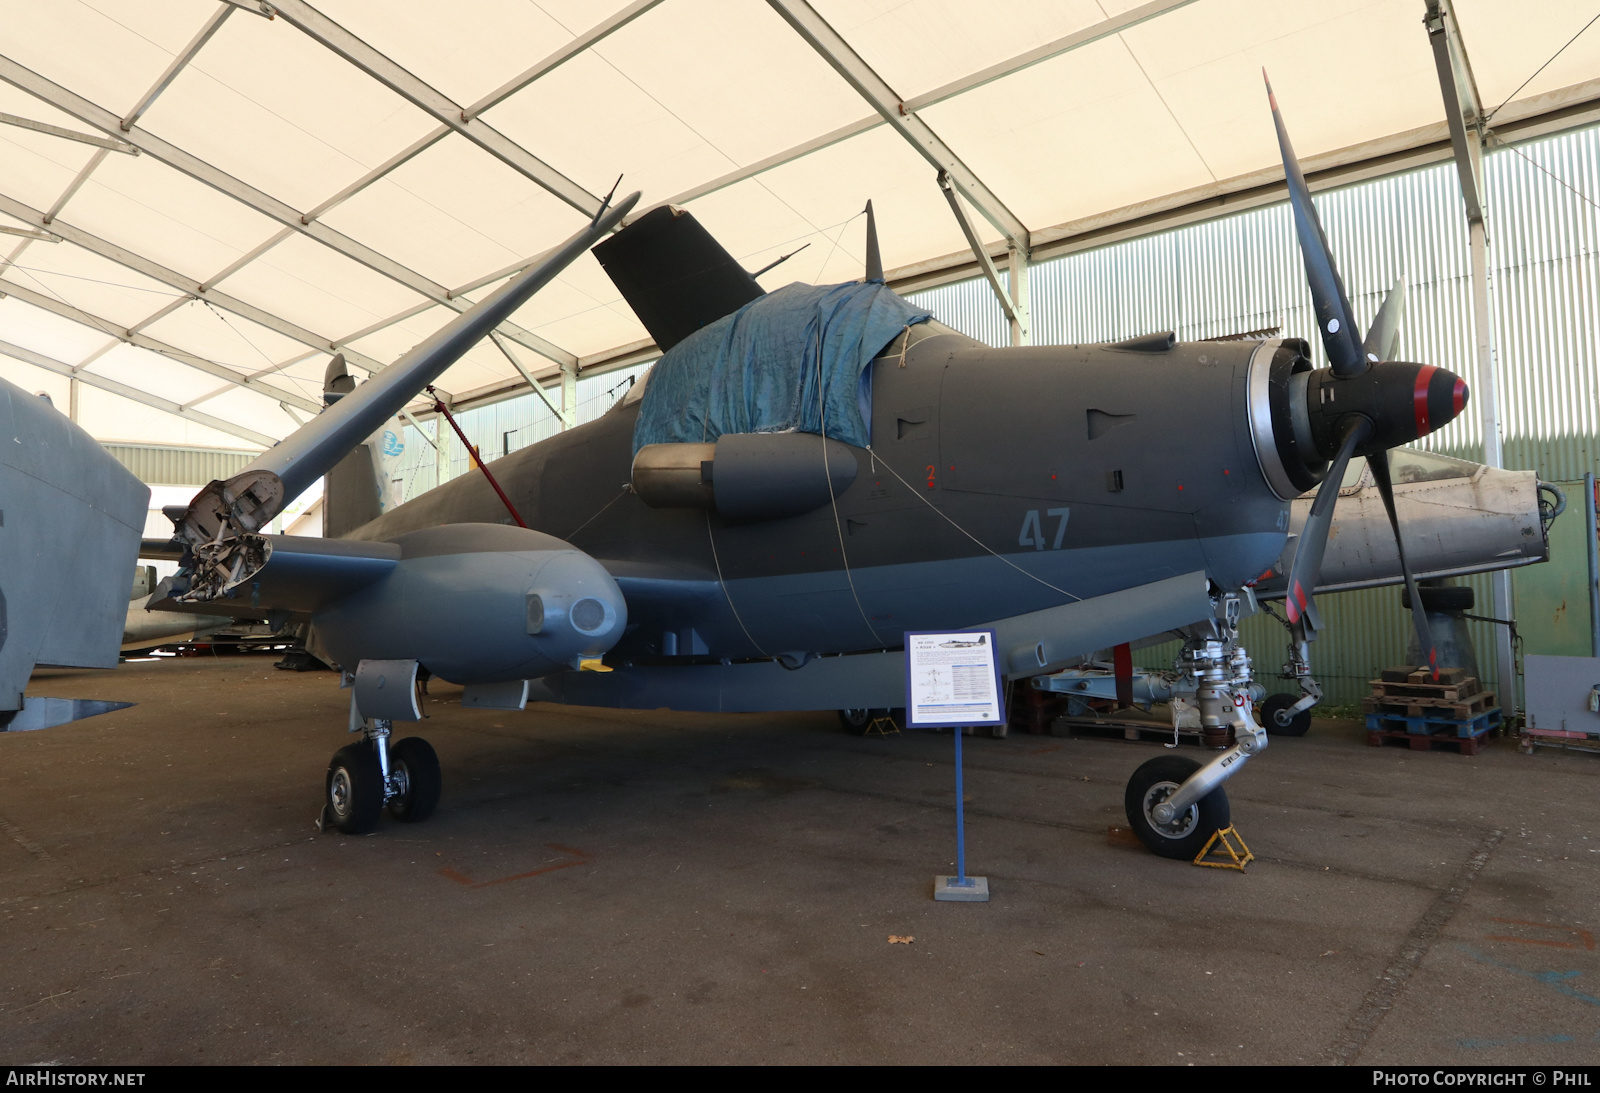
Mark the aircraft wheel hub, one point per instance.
(1176, 827)
(339, 793)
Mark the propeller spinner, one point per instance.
(1362, 405)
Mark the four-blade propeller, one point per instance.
(1363, 405)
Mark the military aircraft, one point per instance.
(805, 476)
(70, 517)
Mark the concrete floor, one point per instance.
(659, 887)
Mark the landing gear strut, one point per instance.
(366, 776)
(1287, 714)
(1175, 804)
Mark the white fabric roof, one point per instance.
(683, 94)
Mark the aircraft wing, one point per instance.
(1028, 645)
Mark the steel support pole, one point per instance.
(1486, 391)
(1021, 318)
(441, 453)
(569, 395)
(1590, 533)
(1464, 115)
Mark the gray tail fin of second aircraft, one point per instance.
(350, 491)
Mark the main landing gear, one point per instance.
(1175, 804)
(365, 776)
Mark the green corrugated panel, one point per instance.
(179, 466)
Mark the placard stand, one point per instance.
(961, 888)
(953, 681)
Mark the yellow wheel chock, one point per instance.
(1226, 838)
(883, 726)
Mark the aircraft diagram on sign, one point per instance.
(805, 476)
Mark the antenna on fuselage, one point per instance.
(874, 259)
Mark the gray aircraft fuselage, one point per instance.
(998, 482)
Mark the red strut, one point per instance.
(441, 408)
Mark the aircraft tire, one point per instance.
(353, 793)
(1275, 707)
(855, 722)
(1184, 838)
(417, 759)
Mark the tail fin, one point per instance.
(350, 491)
(674, 275)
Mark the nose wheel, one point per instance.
(353, 798)
(365, 777)
(415, 779)
(1184, 835)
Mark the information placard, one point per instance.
(952, 679)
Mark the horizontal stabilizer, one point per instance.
(47, 713)
(674, 275)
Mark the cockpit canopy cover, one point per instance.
(792, 359)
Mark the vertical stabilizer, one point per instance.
(874, 257)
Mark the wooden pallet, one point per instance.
(1107, 729)
(1428, 707)
(1407, 674)
(1466, 735)
(1426, 692)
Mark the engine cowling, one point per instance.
(480, 603)
(746, 476)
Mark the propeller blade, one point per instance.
(245, 502)
(1335, 320)
(1314, 536)
(310, 452)
(1380, 477)
(1384, 333)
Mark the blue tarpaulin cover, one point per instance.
(756, 371)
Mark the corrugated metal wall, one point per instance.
(1244, 272)
(179, 466)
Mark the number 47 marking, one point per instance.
(1033, 529)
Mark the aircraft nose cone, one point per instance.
(1437, 396)
(1402, 401)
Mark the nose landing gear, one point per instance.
(366, 776)
(1175, 804)
(1184, 834)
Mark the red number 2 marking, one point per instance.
(931, 469)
